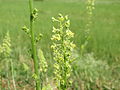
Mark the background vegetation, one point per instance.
(103, 51)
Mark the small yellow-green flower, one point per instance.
(69, 33)
(56, 37)
(55, 30)
(72, 45)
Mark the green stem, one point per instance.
(65, 76)
(13, 77)
(1, 79)
(8, 82)
(64, 87)
(7, 74)
(34, 51)
(41, 78)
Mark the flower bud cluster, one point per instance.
(38, 38)
(27, 31)
(34, 14)
(62, 47)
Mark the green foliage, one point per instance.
(103, 41)
(62, 47)
(39, 0)
(5, 50)
(5, 58)
(25, 67)
(47, 87)
(106, 25)
(5, 53)
(93, 73)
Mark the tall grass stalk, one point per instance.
(0, 81)
(12, 72)
(7, 74)
(0, 69)
(33, 43)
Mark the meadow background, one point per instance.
(105, 33)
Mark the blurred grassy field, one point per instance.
(105, 33)
(104, 42)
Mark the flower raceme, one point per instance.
(90, 7)
(62, 49)
(5, 48)
(43, 63)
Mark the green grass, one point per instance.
(105, 32)
(105, 39)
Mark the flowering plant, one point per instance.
(62, 49)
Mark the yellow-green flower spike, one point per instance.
(62, 47)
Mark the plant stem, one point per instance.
(34, 51)
(1, 79)
(13, 77)
(7, 74)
